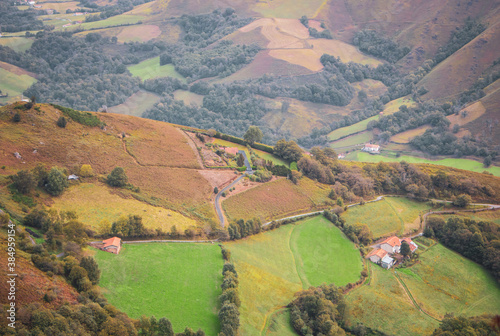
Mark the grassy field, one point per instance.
(123, 19)
(94, 203)
(272, 266)
(268, 201)
(345, 131)
(287, 8)
(261, 154)
(188, 97)
(406, 136)
(151, 68)
(136, 104)
(18, 44)
(357, 139)
(392, 215)
(393, 106)
(279, 324)
(383, 304)
(178, 281)
(14, 83)
(466, 164)
(445, 282)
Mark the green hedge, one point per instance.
(84, 118)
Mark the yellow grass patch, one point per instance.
(61, 7)
(393, 106)
(406, 136)
(472, 112)
(346, 51)
(304, 57)
(136, 104)
(141, 33)
(94, 203)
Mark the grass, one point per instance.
(488, 216)
(136, 104)
(18, 44)
(287, 8)
(406, 136)
(95, 203)
(280, 325)
(345, 131)
(354, 140)
(275, 200)
(465, 164)
(445, 282)
(123, 19)
(393, 106)
(379, 216)
(383, 304)
(408, 211)
(14, 84)
(272, 266)
(178, 281)
(151, 68)
(188, 97)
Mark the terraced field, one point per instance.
(272, 266)
(355, 128)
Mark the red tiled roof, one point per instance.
(393, 241)
(372, 146)
(378, 252)
(413, 246)
(115, 241)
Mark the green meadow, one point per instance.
(465, 164)
(151, 68)
(355, 128)
(14, 84)
(274, 265)
(178, 281)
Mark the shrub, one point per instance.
(61, 122)
(86, 170)
(17, 117)
(56, 182)
(117, 178)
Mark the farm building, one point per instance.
(387, 262)
(412, 244)
(112, 245)
(376, 255)
(391, 244)
(375, 149)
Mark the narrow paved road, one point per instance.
(218, 208)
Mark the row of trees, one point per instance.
(229, 315)
(374, 43)
(357, 233)
(242, 229)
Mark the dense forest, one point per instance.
(13, 19)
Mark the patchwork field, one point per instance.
(383, 304)
(445, 282)
(94, 203)
(272, 266)
(392, 215)
(18, 44)
(406, 136)
(275, 199)
(465, 164)
(123, 19)
(354, 140)
(156, 279)
(355, 128)
(136, 104)
(14, 81)
(151, 68)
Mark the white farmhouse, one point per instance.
(375, 149)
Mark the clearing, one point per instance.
(14, 81)
(18, 44)
(178, 281)
(274, 265)
(355, 128)
(136, 104)
(151, 68)
(358, 139)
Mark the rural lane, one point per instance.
(218, 208)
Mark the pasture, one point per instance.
(352, 141)
(151, 68)
(136, 104)
(392, 215)
(95, 203)
(279, 324)
(485, 216)
(118, 20)
(274, 265)
(14, 81)
(393, 106)
(406, 136)
(188, 97)
(355, 128)
(383, 304)
(18, 44)
(445, 282)
(276, 199)
(178, 281)
(465, 164)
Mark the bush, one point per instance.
(84, 118)
(61, 122)
(56, 182)
(117, 178)
(17, 117)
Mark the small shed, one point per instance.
(387, 262)
(112, 245)
(72, 177)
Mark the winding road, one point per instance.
(218, 208)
